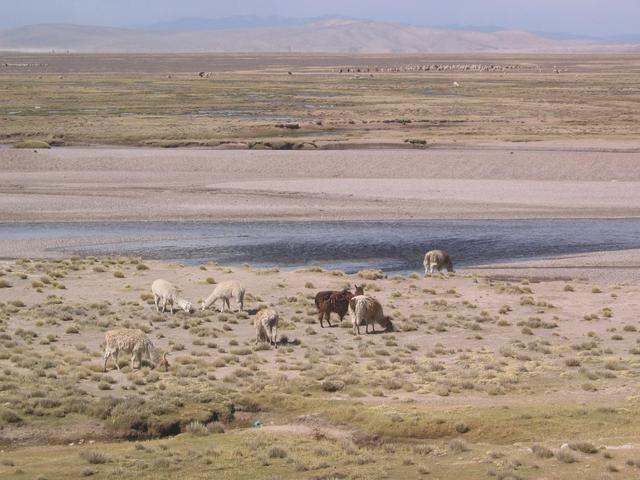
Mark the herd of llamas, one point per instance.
(363, 310)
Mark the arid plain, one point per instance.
(522, 371)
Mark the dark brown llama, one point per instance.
(328, 302)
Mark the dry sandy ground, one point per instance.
(426, 302)
(607, 267)
(490, 180)
(517, 363)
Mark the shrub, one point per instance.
(584, 447)
(4, 283)
(8, 416)
(371, 274)
(332, 385)
(210, 280)
(196, 428)
(565, 455)
(118, 274)
(278, 452)
(458, 445)
(423, 449)
(141, 266)
(572, 362)
(94, 457)
(541, 451)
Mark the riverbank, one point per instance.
(500, 180)
(554, 359)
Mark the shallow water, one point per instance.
(394, 246)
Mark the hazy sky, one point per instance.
(596, 17)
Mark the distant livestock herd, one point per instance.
(363, 310)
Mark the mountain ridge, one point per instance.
(321, 35)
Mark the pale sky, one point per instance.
(589, 17)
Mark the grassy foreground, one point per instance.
(480, 379)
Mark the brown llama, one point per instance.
(328, 302)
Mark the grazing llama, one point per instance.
(365, 310)
(266, 324)
(166, 293)
(224, 292)
(437, 260)
(133, 342)
(329, 302)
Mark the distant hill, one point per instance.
(198, 24)
(335, 35)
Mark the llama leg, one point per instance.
(164, 305)
(156, 299)
(321, 318)
(228, 304)
(274, 335)
(115, 359)
(106, 357)
(329, 318)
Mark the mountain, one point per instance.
(334, 35)
(198, 24)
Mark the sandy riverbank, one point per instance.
(555, 360)
(495, 180)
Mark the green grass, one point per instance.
(33, 144)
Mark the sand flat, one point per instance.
(496, 180)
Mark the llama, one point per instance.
(224, 292)
(329, 302)
(166, 293)
(437, 260)
(266, 324)
(134, 342)
(368, 311)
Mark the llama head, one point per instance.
(185, 305)
(164, 361)
(387, 324)
(359, 289)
